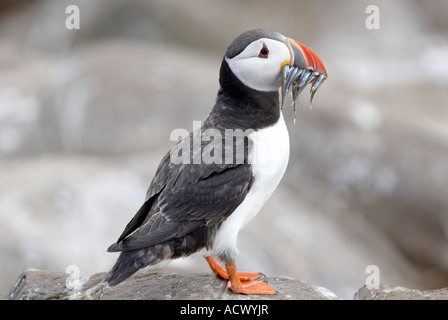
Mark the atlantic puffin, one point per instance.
(199, 204)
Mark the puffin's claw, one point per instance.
(257, 287)
(222, 273)
(240, 281)
(246, 287)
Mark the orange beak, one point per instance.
(304, 68)
(304, 57)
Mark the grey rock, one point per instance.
(388, 292)
(35, 284)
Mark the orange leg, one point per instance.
(246, 287)
(221, 272)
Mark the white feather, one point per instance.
(262, 74)
(269, 157)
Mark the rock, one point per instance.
(388, 292)
(35, 284)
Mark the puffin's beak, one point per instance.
(304, 67)
(304, 57)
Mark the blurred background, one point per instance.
(86, 116)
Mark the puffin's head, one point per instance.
(265, 60)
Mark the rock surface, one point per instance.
(35, 284)
(387, 292)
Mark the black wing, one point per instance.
(182, 197)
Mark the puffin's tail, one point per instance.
(131, 261)
(123, 268)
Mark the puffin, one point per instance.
(217, 178)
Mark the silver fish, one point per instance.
(321, 78)
(295, 79)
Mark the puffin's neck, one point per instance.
(238, 106)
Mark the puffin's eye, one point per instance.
(264, 52)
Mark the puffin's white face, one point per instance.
(259, 65)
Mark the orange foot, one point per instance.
(240, 282)
(246, 287)
(221, 272)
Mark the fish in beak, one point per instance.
(304, 68)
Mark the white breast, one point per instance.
(269, 158)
